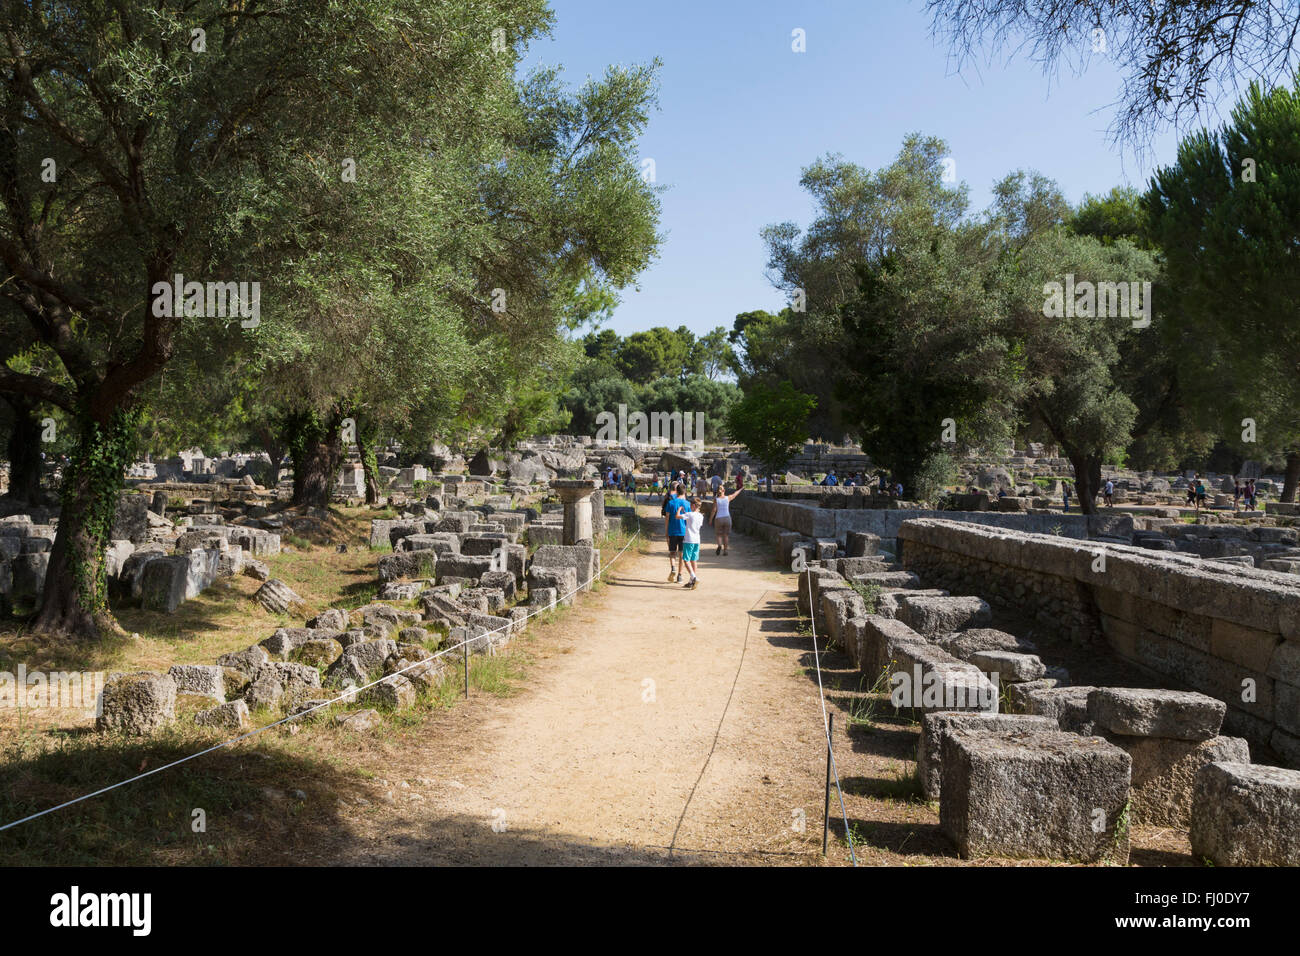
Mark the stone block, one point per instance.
(232, 715)
(542, 597)
(395, 693)
(936, 616)
(1052, 795)
(278, 598)
(207, 680)
(137, 704)
(580, 557)
(564, 580)
(1143, 712)
(962, 644)
(935, 726)
(1011, 667)
(1246, 815)
(408, 565)
(1068, 705)
(860, 544)
(1165, 771)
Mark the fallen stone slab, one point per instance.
(935, 726)
(881, 642)
(887, 604)
(888, 579)
(936, 616)
(851, 567)
(1010, 666)
(1246, 815)
(1144, 712)
(1046, 794)
(138, 704)
(962, 644)
(278, 598)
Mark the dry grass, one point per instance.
(274, 798)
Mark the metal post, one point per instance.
(826, 809)
(465, 650)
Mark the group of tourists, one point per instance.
(625, 482)
(859, 479)
(1246, 493)
(684, 518)
(1198, 495)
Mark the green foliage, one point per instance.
(770, 422)
(1225, 215)
(1120, 214)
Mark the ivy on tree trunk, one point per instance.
(75, 595)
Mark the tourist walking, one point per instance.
(1201, 496)
(1108, 493)
(674, 530)
(1065, 493)
(693, 521)
(1237, 491)
(722, 521)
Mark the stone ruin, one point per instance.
(157, 556)
(1024, 763)
(476, 574)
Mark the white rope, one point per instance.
(350, 693)
(826, 727)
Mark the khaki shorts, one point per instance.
(722, 525)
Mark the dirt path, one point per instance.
(669, 726)
(656, 725)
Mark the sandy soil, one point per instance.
(660, 726)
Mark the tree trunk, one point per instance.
(369, 465)
(1292, 481)
(316, 450)
(75, 596)
(274, 449)
(25, 453)
(1087, 481)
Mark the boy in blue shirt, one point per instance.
(674, 510)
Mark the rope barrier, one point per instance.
(821, 694)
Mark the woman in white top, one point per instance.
(722, 520)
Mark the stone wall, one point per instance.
(764, 517)
(1231, 633)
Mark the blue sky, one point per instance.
(741, 114)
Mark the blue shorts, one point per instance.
(691, 552)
